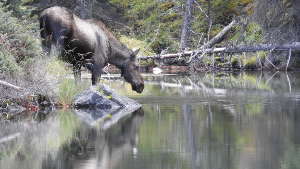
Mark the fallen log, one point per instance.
(295, 46)
(10, 85)
(9, 138)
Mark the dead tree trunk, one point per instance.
(219, 37)
(209, 19)
(236, 49)
(84, 8)
(186, 26)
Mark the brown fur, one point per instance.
(87, 43)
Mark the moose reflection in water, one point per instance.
(87, 43)
(92, 148)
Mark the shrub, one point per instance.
(18, 40)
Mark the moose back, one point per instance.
(87, 43)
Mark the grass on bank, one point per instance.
(66, 87)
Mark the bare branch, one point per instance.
(10, 85)
(289, 59)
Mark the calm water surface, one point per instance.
(207, 121)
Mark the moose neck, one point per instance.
(120, 54)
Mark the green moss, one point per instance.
(235, 62)
(252, 62)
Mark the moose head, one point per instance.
(131, 74)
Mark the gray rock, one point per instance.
(101, 106)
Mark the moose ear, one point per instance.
(135, 51)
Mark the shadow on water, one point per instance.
(206, 121)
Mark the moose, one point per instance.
(87, 43)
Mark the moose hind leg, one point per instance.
(46, 46)
(46, 41)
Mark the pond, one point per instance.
(205, 121)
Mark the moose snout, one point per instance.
(138, 87)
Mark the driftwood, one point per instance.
(6, 84)
(234, 49)
(9, 138)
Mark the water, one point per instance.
(207, 121)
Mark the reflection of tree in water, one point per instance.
(243, 128)
(254, 125)
(98, 149)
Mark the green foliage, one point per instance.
(7, 62)
(18, 41)
(159, 22)
(67, 89)
(253, 34)
(56, 68)
(18, 8)
(135, 43)
(153, 21)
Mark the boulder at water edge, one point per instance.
(100, 106)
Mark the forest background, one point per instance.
(163, 26)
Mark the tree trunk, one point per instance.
(209, 20)
(84, 8)
(186, 25)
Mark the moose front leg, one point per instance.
(77, 73)
(96, 75)
(96, 72)
(98, 61)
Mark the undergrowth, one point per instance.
(19, 42)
